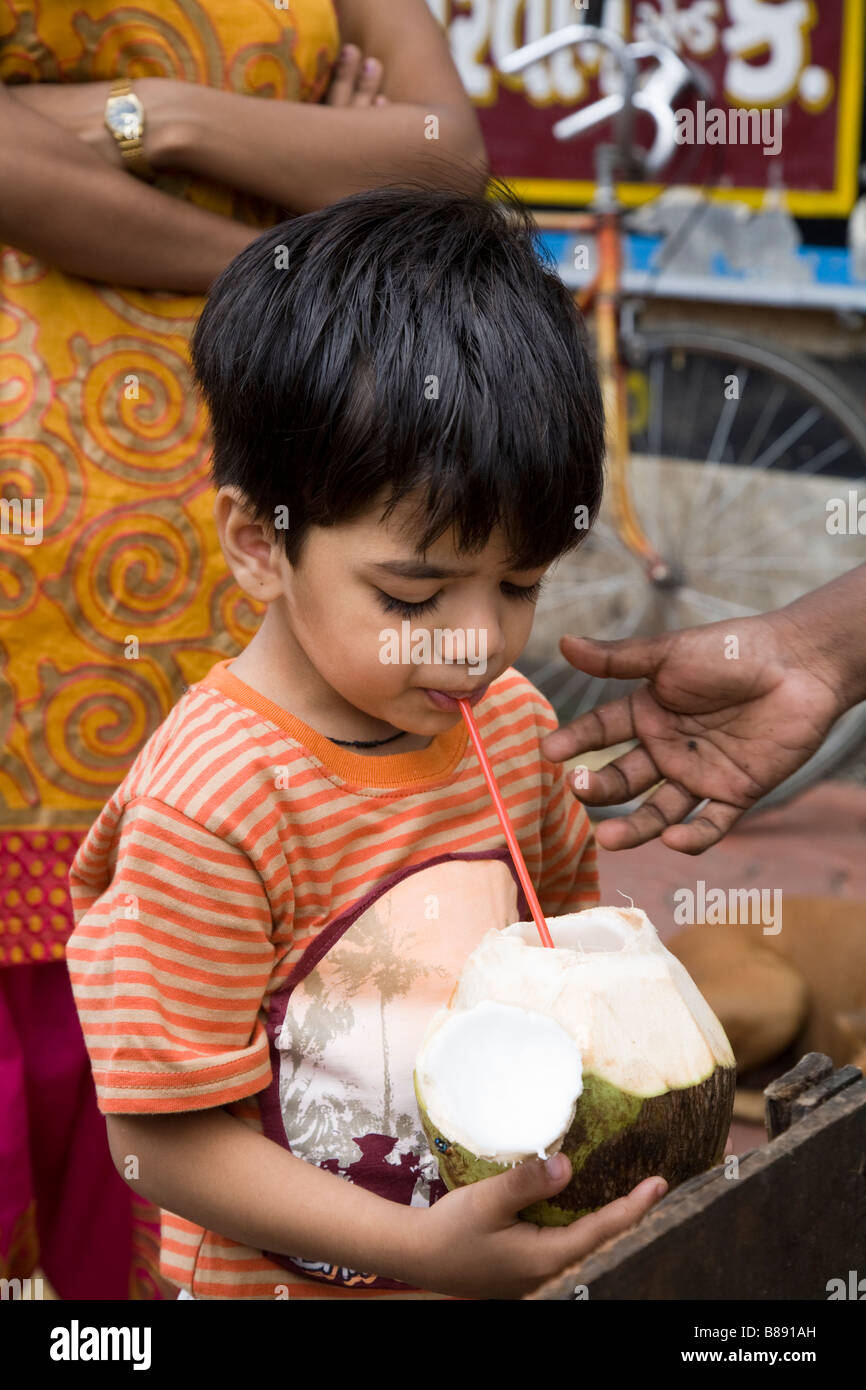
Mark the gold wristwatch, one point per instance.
(124, 117)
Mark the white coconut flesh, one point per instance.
(503, 1083)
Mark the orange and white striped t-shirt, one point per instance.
(266, 921)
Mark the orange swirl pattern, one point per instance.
(117, 597)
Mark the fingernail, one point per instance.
(660, 1187)
(556, 1166)
(346, 52)
(369, 65)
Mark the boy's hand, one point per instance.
(355, 80)
(474, 1244)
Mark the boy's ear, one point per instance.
(250, 551)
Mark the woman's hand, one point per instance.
(355, 83)
(79, 107)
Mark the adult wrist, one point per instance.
(167, 117)
(826, 632)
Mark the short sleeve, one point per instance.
(569, 864)
(169, 966)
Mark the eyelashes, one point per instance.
(528, 593)
(407, 610)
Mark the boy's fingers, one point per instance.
(368, 82)
(343, 82)
(600, 728)
(593, 1230)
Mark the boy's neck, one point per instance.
(274, 665)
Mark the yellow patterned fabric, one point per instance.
(126, 599)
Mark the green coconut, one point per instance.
(602, 1048)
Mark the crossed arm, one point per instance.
(69, 201)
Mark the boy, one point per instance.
(284, 888)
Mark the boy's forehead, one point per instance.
(393, 546)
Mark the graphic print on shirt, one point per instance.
(346, 1030)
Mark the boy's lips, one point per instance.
(448, 700)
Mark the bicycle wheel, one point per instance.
(736, 453)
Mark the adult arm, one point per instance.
(303, 155)
(63, 203)
(719, 718)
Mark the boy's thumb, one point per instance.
(529, 1182)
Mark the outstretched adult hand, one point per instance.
(729, 711)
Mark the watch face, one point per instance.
(124, 116)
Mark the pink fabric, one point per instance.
(63, 1206)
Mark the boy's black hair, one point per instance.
(407, 335)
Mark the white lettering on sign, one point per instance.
(767, 43)
(778, 37)
(696, 27)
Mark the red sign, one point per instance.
(796, 65)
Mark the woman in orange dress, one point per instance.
(113, 590)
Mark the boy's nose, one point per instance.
(488, 640)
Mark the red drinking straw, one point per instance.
(520, 866)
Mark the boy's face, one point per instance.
(364, 618)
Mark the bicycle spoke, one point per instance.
(723, 608)
(575, 591)
(791, 435)
(751, 540)
(765, 418)
(564, 693)
(727, 416)
(829, 455)
(625, 628)
(731, 494)
(686, 415)
(588, 699)
(769, 456)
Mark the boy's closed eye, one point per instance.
(390, 604)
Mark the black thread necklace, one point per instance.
(367, 743)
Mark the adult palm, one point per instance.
(728, 712)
